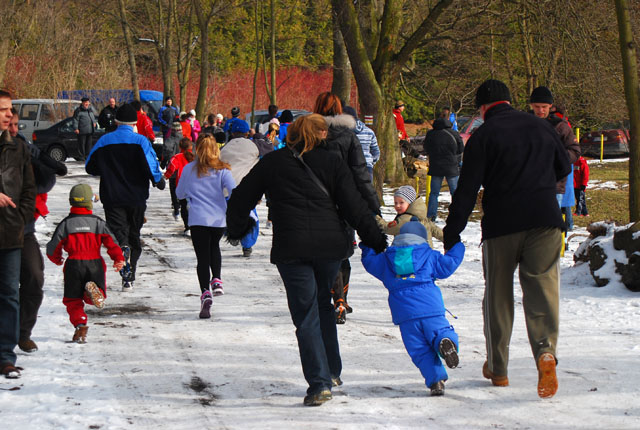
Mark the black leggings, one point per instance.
(206, 244)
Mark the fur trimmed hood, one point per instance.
(342, 120)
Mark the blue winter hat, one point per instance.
(414, 227)
(240, 126)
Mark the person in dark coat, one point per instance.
(518, 159)
(107, 117)
(84, 124)
(17, 202)
(45, 170)
(166, 116)
(343, 141)
(444, 147)
(309, 238)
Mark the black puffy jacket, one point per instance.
(307, 224)
(342, 140)
(444, 147)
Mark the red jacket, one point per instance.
(145, 126)
(176, 164)
(81, 234)
(580, 173)
(397, 114)
(186, 128)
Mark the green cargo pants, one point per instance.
(536, 252)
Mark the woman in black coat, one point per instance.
(309, 239)
(444, 147)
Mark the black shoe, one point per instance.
(246, 252)
(437, 389)
(448, 351)
(318, 398)
(336, 381)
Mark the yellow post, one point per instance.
(601, 146)
(417, 185)
(578, 134)
(427, 187)
(563, 236)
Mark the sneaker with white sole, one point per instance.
(205, 305)
(216, 287)
(95, 293)
(127, 285)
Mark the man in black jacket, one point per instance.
(17, 202)
(444, 147)
(107, 117)
(518, 159)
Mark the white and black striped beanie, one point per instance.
(407, 193)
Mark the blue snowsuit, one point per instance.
(407, 268)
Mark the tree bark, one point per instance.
(632, 95)
(129, 45)
(272, 33)
(341, 85)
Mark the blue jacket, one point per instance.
(369, 143)
(125, 162)
(407, 269)
(166, 119)
(207, 205)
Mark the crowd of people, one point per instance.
(316, 174)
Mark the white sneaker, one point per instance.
(187, 233)
(216, 287)
(127, 285)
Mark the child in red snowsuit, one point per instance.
(173, 173)
(580, 180)
(81, 235)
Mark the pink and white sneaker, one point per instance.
(216, 287)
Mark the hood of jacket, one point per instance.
(342, 120)
(441, 123)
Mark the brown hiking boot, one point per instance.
(28, 345)
(80, 335)
(318, 398)
(10, 371)
(498, 381)
(95, 293)
(437, 389)
(547, 379)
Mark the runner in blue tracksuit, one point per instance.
(408, 268)
(125, 162)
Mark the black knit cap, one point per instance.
(541, 95)
(126, 114)
(492, 91)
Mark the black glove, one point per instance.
(233, 242)
(160, 184)
(582, 187)
(381, 244)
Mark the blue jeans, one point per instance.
(308, 285)
(436, 184)
(9, 303)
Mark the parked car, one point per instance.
(467, 129)
(39, 114)
(615, 142)
(60, 140)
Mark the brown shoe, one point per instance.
(80, 335)
(547, 379)
(28, 345)
(95, 293)
(10, 371)
(498, 381)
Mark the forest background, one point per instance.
(570, 46)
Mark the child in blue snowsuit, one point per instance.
(408, 268)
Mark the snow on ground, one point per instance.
(151, 363)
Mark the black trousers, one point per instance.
(31, 282)
(341, 284)
(126, 223)
(85, 143)
(308, 286)
(175, 203)
(206, 244)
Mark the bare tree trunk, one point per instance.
(129, 45)
(257, 66)
(204, 18)
(341, 85)
(272, 30)
(632, 94)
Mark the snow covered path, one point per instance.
(151, 363)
